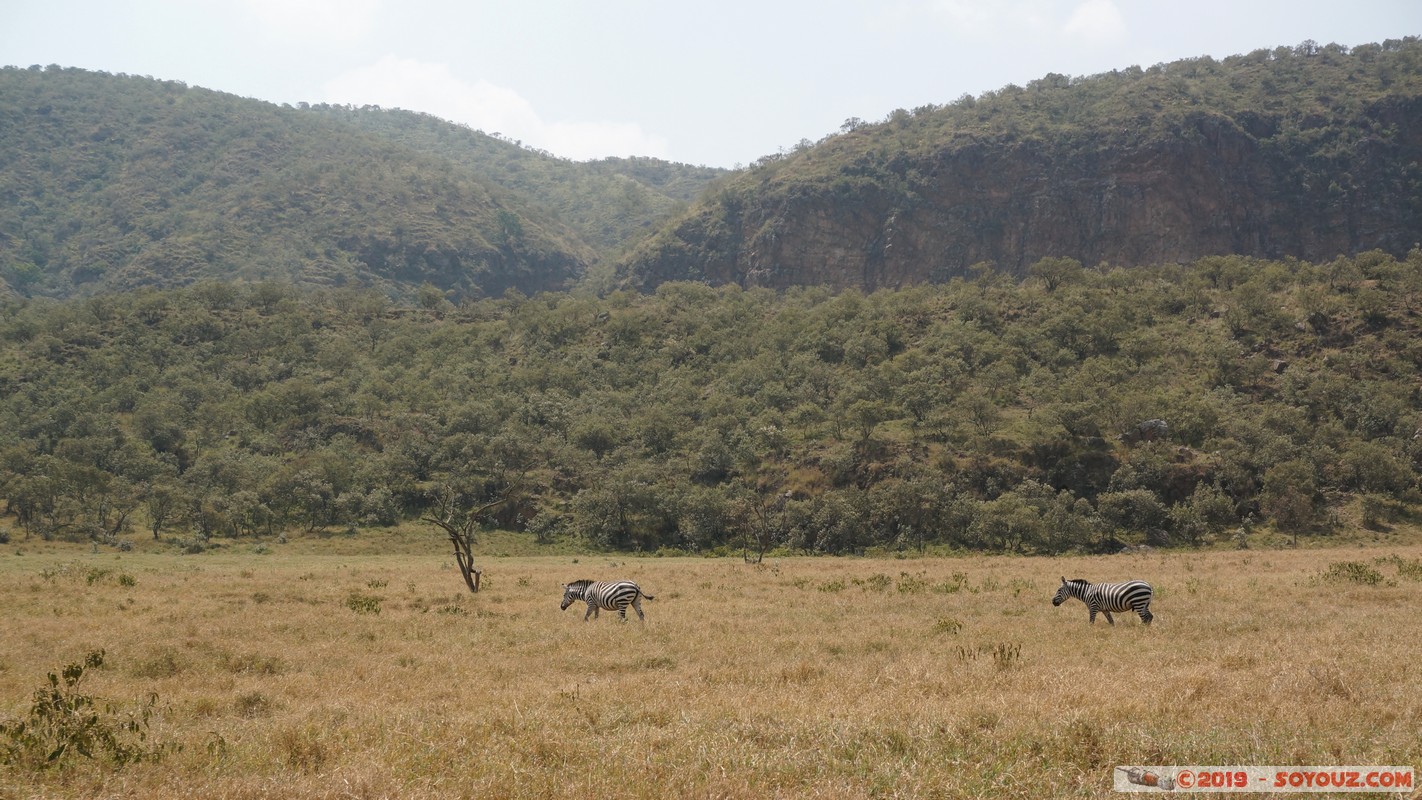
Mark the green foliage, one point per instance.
(1352, 572)
(607, 203)
(1410, 568)
(63, 724)
(362, 603)
(972, 415)
(121, 182)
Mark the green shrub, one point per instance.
(1406, 568)
(954, 584)
(64, 723)
(1352, 572)
(363, 603)
(947, 625)
(877, 582)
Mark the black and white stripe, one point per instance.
(1107, 597)
(611, 595)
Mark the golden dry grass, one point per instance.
(941, 677)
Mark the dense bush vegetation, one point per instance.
(1076, 409)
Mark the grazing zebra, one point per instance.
(1108, 597)
(605, 594)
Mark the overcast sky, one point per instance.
(716, 82)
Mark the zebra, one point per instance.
(1107, 597)
(605, 594)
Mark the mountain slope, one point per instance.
(609, 202)
(1308, 152)
(115, 182)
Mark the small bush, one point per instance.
(947, 625)
(878, 582)
(1406, 568)
(64, 723)
(363, 603)
(954, 584)
(912, 584)
(1352, 572)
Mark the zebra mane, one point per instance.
(582, 584)
(1081, 581)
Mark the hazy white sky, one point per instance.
(718, 83)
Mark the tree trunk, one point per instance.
(465, 558)
(460, 523)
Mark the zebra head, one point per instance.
(1069, 588)
(573, 592)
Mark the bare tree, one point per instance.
(455, 513)
(762, 510)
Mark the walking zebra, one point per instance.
(1108, 597)
(610, 595)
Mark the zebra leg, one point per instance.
(1092, 616)
(1108, 616)
(592, 611)
(1146, 616)
(622, 612)
(637, 606)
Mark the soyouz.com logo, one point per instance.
(1264, 779)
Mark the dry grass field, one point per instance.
(291, 674)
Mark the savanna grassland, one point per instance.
(284, 672)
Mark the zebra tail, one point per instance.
(646, 596)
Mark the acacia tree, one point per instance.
(1289, 497)
(164, 502)
(453, 510)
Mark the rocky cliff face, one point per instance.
(1211, 184)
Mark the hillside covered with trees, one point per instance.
(1173, 305)
(1307, 152)
(1073, 409)
(611, 202)
(112, 183)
